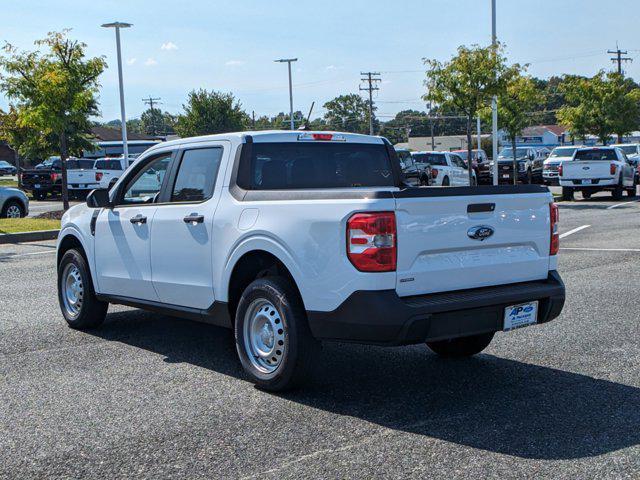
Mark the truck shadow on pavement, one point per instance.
(485, 402)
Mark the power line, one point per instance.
(619, 58)
(150, 101)
(371, 78)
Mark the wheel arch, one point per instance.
(70, 238)
(256, 258)
(15, 198)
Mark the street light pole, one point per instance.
(494, 101)
(123, 116)
(288, 61)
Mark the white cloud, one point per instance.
(131, 61)
(331, 67)
(168, 46)
(150, 62)
(235, 63)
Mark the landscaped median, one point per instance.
(15, 230)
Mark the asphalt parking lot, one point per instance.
(148, 396)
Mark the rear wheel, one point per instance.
(461, 347)
(39, 194)
(567, 194)
(445, 182)
(78, 303)
(12, 209)
(617, 193)
(273, 339)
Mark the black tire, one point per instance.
(8, 205)
(445, 182)
(567, 194)
(529, 179)
(112, 183)
(91, 312)
(617, 192)
(39, 195)
(462, 346)
(424, 181)
(295, 362)
(586, 195)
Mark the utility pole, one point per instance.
(371, 78)
(288, 62)
(494, 101)
(150, 101)
(433, 138)
(619, 58)
(253, 119)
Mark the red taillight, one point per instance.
(612, 169)
(99, 176)
(322, 136)
(371, 241)
(554, 215)
(54, 177)
(560, 170)
(434, 172)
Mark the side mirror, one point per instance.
(99, 198)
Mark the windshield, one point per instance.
(563, 152)
(287, 166)
(508, 153)
(629, 149)
(430, 158)
(597, 154)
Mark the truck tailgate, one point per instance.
(586, 169)
(436, 251)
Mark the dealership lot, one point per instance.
(152, 396)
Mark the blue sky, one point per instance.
(174, 47)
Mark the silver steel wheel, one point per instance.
(264, 336)
(72, 290)
(14, 211)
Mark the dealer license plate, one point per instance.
(521, 315)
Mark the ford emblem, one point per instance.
(585, 168)
(480, 232)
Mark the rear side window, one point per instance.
(596, 154)
(197, 175)
(290, 166)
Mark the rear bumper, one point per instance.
(382, 317)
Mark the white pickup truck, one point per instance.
(447, 169)
(594, 169)
(292, 238)
(80, 176)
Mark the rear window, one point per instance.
(596, 154)
(108, 165)
(80, 164)
(430, 158)
(289, 166)
(628, 149)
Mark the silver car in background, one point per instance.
(13, 203)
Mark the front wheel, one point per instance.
(586, 195)
(273, 339)
(12, 209)
(78, 303)
(461, 347)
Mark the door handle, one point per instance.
(193, 218)
(141, 219)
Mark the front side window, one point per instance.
(197, 175)
(145, 186)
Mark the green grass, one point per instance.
(16, 225)
(8, 182)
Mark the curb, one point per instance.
(29, 236)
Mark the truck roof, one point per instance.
(264, 136)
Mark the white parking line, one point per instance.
(621, 204)
(4, 257)
(570, 232)
(586, 249)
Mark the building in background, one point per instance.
(444, 143)
(538, 136)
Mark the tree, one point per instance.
(602, 105)
(349, 113)
(55, 94)
(208, 112)
(155, 122)
(516, 101)
(466, 83)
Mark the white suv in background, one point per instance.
(447, 169)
